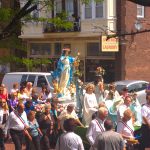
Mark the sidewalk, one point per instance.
(10, 146)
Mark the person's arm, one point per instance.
(80, 147)
(79, 122)
(26, 132)
(120, 128)
(146, 121)
(89, 134)
(144, 115)
(39, 130)
(7, 126)
(122, 144)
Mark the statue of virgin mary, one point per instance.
(64, 71)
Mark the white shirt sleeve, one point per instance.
(81, 147)
(120, 127)
(144, 112)
(7, 126)
(89, 134)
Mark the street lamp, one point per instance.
(138, 25)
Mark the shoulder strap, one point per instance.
(99, 125)
(127, 127)
(20, 118)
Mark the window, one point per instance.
(99, 10)
(41, 81)
(69, 7)
(93, 49)
(57, 50)
(67, 46)
(58, 6)
(31, 78)
(35, 14)
(88, 10)
(140, 11)
(23, 80)
(40, 49)
(141, 86)
(49, 78)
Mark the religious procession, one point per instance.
(74, 115)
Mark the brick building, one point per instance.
(132, 61)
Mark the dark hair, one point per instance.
(125, 89)
(64, 52)
(147, 95)
(108, 124)
(22, 88)
(69, 125)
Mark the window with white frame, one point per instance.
(140, 11)
(99, 10)
(88, 10)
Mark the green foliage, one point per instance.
(10, 59)
(12, 42)
(61, 21)
(5, 14)
(88, 1)
(28, 63)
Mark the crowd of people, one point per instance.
(39, 121)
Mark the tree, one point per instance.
(18, 14)
(29, 6)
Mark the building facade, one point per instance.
(45, 40)
(133, 56)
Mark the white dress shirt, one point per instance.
(13, 121)
(96, 126)
(69, 141)
(125, 128)
(146, 112)
(66, 115)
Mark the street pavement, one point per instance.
(10, 146)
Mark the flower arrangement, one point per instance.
(100, 71)
(72, 89)
(76, 64)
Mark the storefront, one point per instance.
(91, 57)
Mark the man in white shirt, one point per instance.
(17, 124)
(145, 129)
(68, 113)
(69, 140)
(96, 126)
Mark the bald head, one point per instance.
(103, 113)
(20, 108)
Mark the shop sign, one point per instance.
(109, 45)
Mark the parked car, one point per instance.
(37, 78)
(137, 86)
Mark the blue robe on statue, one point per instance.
(64, 73)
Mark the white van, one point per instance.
(37, 78)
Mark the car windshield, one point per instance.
(120, 87)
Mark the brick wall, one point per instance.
(135, 55)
